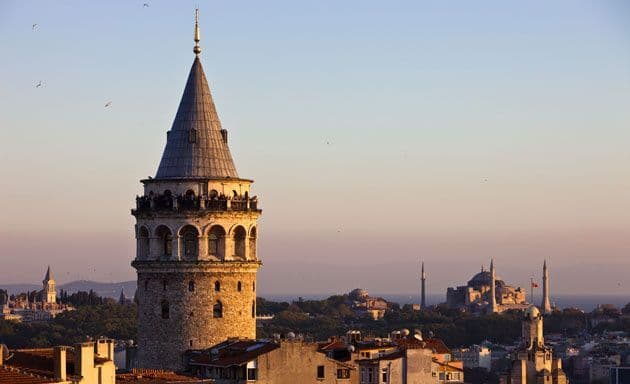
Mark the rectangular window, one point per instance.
(441, 376)
(320, 371)
(384, 375)
(251, 374)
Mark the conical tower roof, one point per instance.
(196, 145)
(49, 275)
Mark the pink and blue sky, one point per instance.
(378, 133)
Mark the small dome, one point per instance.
(358, 294)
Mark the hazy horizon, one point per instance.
(378, 135)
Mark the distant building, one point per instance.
(533, 362)
(365, 305)
(474, 357)
(85, 363)
(35, 306)
(293, 361)
(476, 295)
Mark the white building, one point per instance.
(474, 357)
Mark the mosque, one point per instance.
(487, 292)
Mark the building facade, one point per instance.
(196, 231)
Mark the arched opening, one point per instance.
(239, 286)
(216, 242)
(143, 243)
(239, 242)
(190, 239)
(166, 310)
(165, 242)
(217, 310)
(217, 286)
(191, 286)
(253, 234)
(214, 194)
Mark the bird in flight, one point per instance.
(34, 26)
(145, 4)
(39, 84)
(108, 104)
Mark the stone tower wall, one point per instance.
(189, 290)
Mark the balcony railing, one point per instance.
(181, 203)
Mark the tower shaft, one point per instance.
(545, 305)
(493, 293)
(423, 299)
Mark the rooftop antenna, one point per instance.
(197, 48)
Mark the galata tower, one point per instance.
(196, 231)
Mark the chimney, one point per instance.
(224, 135)
(60, 362)
(105, 348)
(1, 354)
(84, 358)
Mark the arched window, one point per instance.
(216, 242)
(190, 237)
(239, 286)
(217, 310)
(166, 311)
(214, 194)
(165, 242)
(239, 242)
(252, 243)
(143, 243)
(191, 286)
(217, 286)
(254, 309)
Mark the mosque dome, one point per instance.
(358, 294)
(484, 278)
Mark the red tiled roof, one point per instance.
(9, 375)
(333, 345)
(150, 376)
(437, 345)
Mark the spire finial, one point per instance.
(197, 48)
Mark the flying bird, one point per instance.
(34, 26)
(108, 104)
(145, 4)
(39, 84)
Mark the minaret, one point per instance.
(546, 305)
(196, 231)
(423, 279)
(49, 294)
(122, 299)
(493, 294)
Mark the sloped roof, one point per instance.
(233, 352)
(196, 147)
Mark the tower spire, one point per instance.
(423, 279)
(197, 48)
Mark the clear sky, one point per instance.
(378, 133)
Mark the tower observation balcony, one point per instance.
(168, 202)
